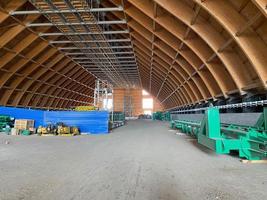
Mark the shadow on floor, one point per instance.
(193, 142)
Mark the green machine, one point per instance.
(249, 141)
(162, 116)
(117, 116)
(6, 122)
(116, 119)
(157, 116)
(166, 116)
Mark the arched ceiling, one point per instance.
(185, 51)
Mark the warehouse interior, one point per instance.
(133, 99)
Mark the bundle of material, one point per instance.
(85, 108)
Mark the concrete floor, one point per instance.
(143, 160)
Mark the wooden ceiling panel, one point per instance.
(188, 51)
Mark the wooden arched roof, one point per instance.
(187, 51)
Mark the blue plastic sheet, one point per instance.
(92, 122)
(22, 113)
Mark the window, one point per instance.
(107, 103)
(144, 93)
(147, 103)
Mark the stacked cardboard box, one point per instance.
(24, 124)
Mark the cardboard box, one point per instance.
(24, 124)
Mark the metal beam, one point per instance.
(124, 72)
(76, 23)
(113, 66)
(111, 47)
(34, 12)
(84, 33)
(88, 41)
(94, 58)
(113, 53)
(96, 62)
(125, 69)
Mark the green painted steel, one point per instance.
(5, 123)
(157, 116)
(117, 116)
(162, 116)
(250, 142)
(166, 116)
(25, 132)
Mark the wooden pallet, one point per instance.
(254, 161)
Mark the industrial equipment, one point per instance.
(74, 130)
(250, 141)
(63, 130)
(157, 116)
(144, 116)
(58, 129)
(6, 122)
(166, 116)
(50, 129)
(116, 119)
(117, 116)
(25, 132)
(162, 116)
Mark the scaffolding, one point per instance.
(127, 104)
(102, 91)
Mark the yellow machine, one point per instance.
(63, 130)
(75, 131)
(68, 131)
(45, 131)
(59, 129)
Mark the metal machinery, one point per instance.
(117, 119)
(249, 140)
(162, 116)
(157, 116)
(58, 129)
(6, 122)
(166, 116)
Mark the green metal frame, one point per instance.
(5, 123)
(117, 116)
(162, 116)
(250, 142)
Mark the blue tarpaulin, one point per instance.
(22, 113)
(88, 122)
(91, 122)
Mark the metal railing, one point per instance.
(229, 106)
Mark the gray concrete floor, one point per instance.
(143, 160)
